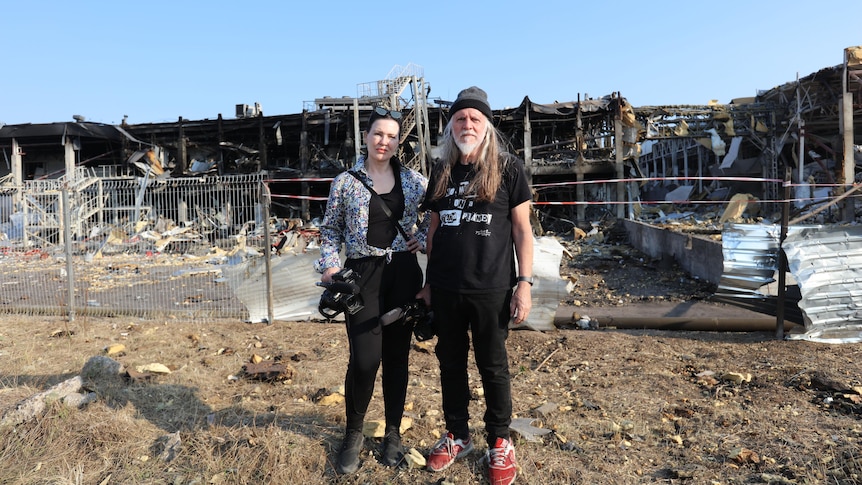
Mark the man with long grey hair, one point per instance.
(479, 199)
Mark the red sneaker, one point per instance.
(502, 467)
(447, 450)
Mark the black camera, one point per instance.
(341, 295)
(422, 319)
(414, 313)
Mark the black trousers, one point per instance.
(486, 316)
(384, 286)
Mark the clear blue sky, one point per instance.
(158, 60)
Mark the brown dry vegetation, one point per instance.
(626, 406)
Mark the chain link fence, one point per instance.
(148, 247)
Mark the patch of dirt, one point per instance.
(606, 271)
(622, 406)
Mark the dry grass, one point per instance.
(631, 407)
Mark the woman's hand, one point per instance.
(327, 274)
(413, 245)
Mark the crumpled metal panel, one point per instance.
(827, 264)
(750, 259)
(294, 292)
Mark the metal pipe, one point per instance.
(706, 324)
(755, 323)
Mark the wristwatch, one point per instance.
(528, 279)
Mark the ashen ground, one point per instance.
(624, 406)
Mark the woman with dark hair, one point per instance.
(362, 211)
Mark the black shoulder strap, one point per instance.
(382, 203)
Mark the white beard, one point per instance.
(467, 148)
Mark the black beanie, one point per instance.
(472, 97)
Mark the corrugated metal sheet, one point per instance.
(750, 259)
(827, 263)
(294, 293)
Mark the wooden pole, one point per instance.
(620, 166)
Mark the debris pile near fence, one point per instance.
(131, 246)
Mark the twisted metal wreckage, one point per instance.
(590, 159)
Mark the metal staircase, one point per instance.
(405, 90)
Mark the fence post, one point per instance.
(67, 244)
(267, 249)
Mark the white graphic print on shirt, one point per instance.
(454, 217)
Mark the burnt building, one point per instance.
(588, 158)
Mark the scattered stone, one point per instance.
(545, 410)
(331, 400)
(115, 350)
(78, 400)
(743, 456)
(377, 428)
(426, 347)
(406, 423)
(736, 377)
(171, 446)
(414, 459)
(101, 371)
(154, 368)
(35, 404)
(675, 439)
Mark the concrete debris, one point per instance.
(171, 446)
(154, 368)
(34, 405)
(736, 377)
(115, 350)
(331, 400)
(377, 428)
(79, 399)
(414, 459)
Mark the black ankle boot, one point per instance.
(391, 452)
(348, 455)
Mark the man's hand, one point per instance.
(425, 295)
(522, 303)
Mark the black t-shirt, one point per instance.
(472, 250)
(381, 230)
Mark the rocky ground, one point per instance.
(592, 406)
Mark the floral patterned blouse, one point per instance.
(346, 219)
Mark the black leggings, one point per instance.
(384, 287)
